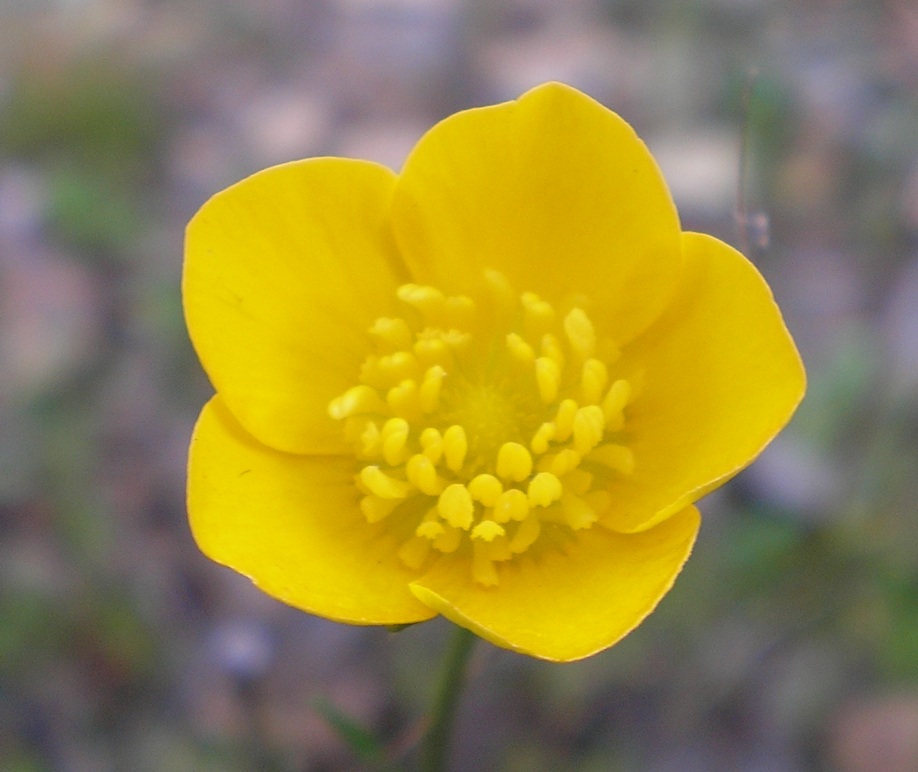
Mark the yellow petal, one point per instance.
(294, 526)
(284, 274)
(566, 606)
(722, 378)
(554, 191)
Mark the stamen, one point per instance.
(429, 396)
(399, 366)
(485, 488)
(525, 535)
(430, 529)
(589, 426)
(548, 378)
(615, 400)
(450, 540)
(432, 442)
(538, 315)
(459, 311)
(513, 462)
(593, 380)
(564, 419)
(561, 463)
(360, 399)
(393, 334)
(434, 351)
(394, 437)
(455, 446)
(551, 348)
(544, 489)
(541, 438)
(483, 570)
(414, 552)
(456, 507)
(577, 512)
(487, 530)
(519, 349)
(512, 504)
(439, 417)
(403, 399)
(427, 300)
(421, 471)
(375, 509)
(380, 484)
(580, 333)
(618, 458)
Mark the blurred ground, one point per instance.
(791, 640)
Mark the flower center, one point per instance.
(486, 429)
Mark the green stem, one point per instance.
(436, 744)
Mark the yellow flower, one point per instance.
(489, 387)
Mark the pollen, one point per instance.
(487, 426)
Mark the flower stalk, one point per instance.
(435, 749)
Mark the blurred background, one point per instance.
(789, 643)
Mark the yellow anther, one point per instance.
(487, 530)
(433, 351)
(616, 457)
(430, 529)
(514, 462)
(421, 471)
(614, 402)
(432, 443)
(459, 311)
(501, 292)
(483, 570)
(394, 437)
(499, 548)
(550, 347)
(544, 489)
(525, 535)
(450, 540)
(593, 380)
(428, 300)
(577, 513)
(538, 315)
(564, 419)
(393, 334)
(456, 507)
(398, 366)
(541, 438)
(358, 400)
(369, 439)
(512, 504)
(455, 446)
(429, 395)
(380, 484)
(599, 501)
(455, 340)
(375, 509)
(560, 463)
(485, 488)
(589, 426)
(403, 399)
(580, 333)
(578, 481)
(414, 552)
(519, 349)
(548, 378)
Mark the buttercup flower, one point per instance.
(489, 387)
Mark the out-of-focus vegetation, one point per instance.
(791, 640)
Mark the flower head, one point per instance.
(489, 387)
